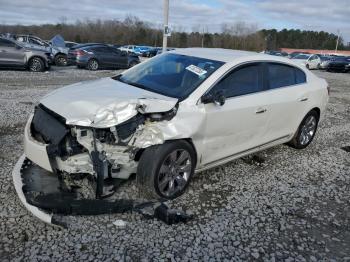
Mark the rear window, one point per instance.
(281, 75)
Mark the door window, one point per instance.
(101, 50)
(241, 81)
(281, 75)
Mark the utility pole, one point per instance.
(336, 46)
(166, 26)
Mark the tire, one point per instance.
(61, 60)
(36, 64)
(159, 174)
(93, 65)
(307, 66)
(306, 131)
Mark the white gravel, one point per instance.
(279, 205)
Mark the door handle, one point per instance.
(260, 110)
(303, 99)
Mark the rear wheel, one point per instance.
(306, 131)
(36, 64)
(93, 64)
(164, 171)
(61, 60)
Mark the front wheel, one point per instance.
(306, 131)
(61, 60)
(164, 171)
(36, 64)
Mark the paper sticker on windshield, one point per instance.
(196, 70)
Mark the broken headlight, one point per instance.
(121, 133)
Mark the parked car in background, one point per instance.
(152, 52)
(94, 57)
(77, 46)
(310, 61)
(56, 46)
(131, 49)
(160, 50)
(276, 53)
(72, 53)
(325, 60)
(16, 55)
(293, 54)
(70, 44)
(135, 49)
(339, 64)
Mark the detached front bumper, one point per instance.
(19, 186)
(48, 198)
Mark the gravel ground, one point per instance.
(278, 205)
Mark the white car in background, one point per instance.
(309, 60)
(173, 115)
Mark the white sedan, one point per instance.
(165, 119)
(308, 60)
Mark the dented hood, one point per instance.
(104, 102)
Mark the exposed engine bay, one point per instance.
(102, 153)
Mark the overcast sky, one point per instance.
(317, 15)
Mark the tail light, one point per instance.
(79, 52)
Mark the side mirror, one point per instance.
(218, 98)
(123, 53)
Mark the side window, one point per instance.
(280, 75)
(6, 43)
(300, 76)
(241, 81)
(101, 50)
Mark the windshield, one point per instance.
(171, 75)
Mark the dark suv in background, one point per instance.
(15, 55)
(94, 57)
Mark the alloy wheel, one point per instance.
(35, 65)
(308, 130)
(93, 65)
(174, 172)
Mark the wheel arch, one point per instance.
(35, 56)
(318, 111)
(60, 53)
(188, 140)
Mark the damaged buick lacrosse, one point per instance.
(165, 119)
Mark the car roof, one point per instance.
(218, 54)
(77, 46)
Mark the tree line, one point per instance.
(132, 30)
